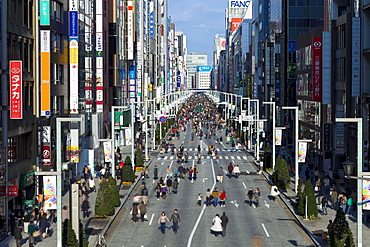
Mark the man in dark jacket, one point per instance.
(144, 194)
(169, 185)
(85, 208)
(175, 219)
(224, 222)
(18, 235)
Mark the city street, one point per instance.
(266, 225)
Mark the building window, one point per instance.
(57, 11)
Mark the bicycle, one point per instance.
(101, 241)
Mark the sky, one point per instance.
(200, 21)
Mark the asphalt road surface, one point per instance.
(267, 225)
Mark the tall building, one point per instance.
(193, 60)
(203, 77)
(219, 45)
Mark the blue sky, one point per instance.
(200, 20)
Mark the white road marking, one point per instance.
(193, 170)
(202, 212)
(245, 187)
(238, 157)
(266, 204)
(235, 203)
(205, 179)
(245, 157)
(264, 228)
(162, 163)
(166, 157)
(171, 158)
(189, 157)
(226, 157)
(232, 157)
(151, 219)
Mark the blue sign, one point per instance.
(73, 23)
(204, 68)
(162, 119)
(132, 72)
(151, 24)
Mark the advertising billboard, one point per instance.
(16, 86)
(44, 12)
(239, 4)
(50, 189)
(45, 72)
(316, 68)
(130, 32)
(235, 23)
(73, 72)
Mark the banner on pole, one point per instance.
(278, 137)
(107, 151)
(50, 196)
(302, 151)
(128, 136)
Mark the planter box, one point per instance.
(139, 169)
(126, 182)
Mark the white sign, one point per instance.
(239, 4)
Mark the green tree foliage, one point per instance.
(281, 177)
(139, 161)
(83, 240)
(341, 234)
(112, 192)
(68, 235)
(311, 199)
(128, 174)
(102, 207)
(128, 160)
(300, 202)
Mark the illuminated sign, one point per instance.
(44, 13)
(316, 68)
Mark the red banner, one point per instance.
(16, 86)
(46, 154)
(12, 190)
(316, 69)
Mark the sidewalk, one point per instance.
(93, 226)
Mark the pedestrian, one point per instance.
(26, 220)
(158, 190)
(18, 235)
(92, 184)
(181, 171)
(216, 228)
(31, 229)
(199, 199)
(134, 212)
(44, 226)
(195, 172)
(163, 191)
(349, 205)
(330, 227)
(223, 197)
(175, 186)
(144, 195)
(65, 214)
(334, 199)
(230, 168)
(208, 197)
(155, 172)
(162, 221)
(224, 222)
(215, 195)
(220, 175)
(85, 207)
(142, 209)
(169, 172)
(236, 170)
(169, 185)
(12, 222)
(324, 203)
(274, 192)
(250, 196)
(199, 148)
(175, 219)
(343, 203)
(257, 195)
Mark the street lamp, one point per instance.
(59, 174)
(359, 173)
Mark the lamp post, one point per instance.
(295, 108)
(257, 125)
(359, 173)
(59, 174)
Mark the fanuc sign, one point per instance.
(239, 4)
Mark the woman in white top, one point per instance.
(236, 170)
(216, 225)
(274, 192)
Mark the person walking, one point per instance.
(44, 226)
(274, 192)
(175, 186)
(26, 220)
(257, 195)
(92, 184)
(220, 175)
(134, 212)
(230, 168)
(215, 195)
(175, 219)
(334, 199)
(31, 229)
(169, 172)
(199, 199)
(162, 221)
(169, 185)
(158, 190)
(250, 196)
(216, 228)
(343, 203)
(224, 222)
(144, 195)
(142, 208)
(236, 171)
(324, 203)
(330, 227)
(208, 197)
(349, 205)
(155, 173)
(223, 197)
(85, 208)
(195, 172)
(18, 235)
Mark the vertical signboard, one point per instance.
(46, 142)
(50, 192)
(128, 136)
(16, 86)
(151, 19)
(366, 194)
(356, 56)
(44, 12)
(292, 59)
(278, 137)
(302, 151)
(316, 68)
(73, 146)
(326, 141)
(73, 56)
(326, 68)
(130, 31)
(99, 56)
(45, 72)
(107, 152)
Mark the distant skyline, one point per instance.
(200, 21)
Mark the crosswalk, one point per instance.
(208, 157)
(203, 149)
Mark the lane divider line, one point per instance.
(151, 219)
(264, 228)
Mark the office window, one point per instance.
(57, 11)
